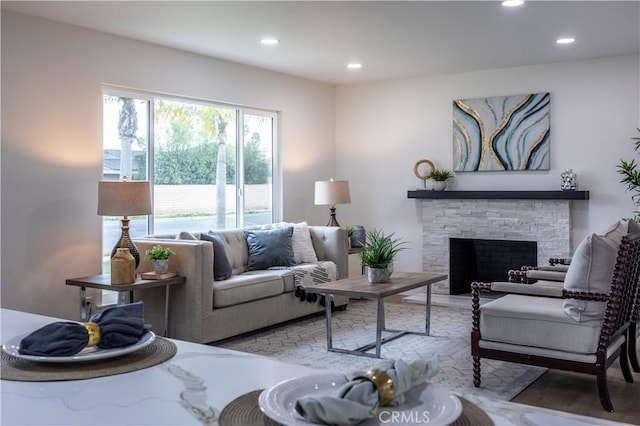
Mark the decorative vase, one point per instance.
(439, 185)
(359, 236)
(378, 275)
(161, 266)
(568, 180)
(123, 267)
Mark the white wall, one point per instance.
(383, 128)
(52, 143)
(52, 148)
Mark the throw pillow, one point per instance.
(590, 271)
(615, 232)
(633, 226)
(184, 235)
(269, 247)
(221, 264)
(303, 251)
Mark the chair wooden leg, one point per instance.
(476, 371)
(603, 390)
(633, 350)
(624, 364)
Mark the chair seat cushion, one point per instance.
(538, 322)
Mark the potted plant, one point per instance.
(378, 253)
(631, 177)
(440, 176)
(160, 257)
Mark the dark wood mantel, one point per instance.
(500, 195)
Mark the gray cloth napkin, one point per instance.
(357, 400)
(120, 326)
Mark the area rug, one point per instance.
(304, 342)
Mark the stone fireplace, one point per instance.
(481, 215)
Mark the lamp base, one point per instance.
(125, 242)
(332, 218)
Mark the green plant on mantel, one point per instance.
(631, 177)
(440, 175)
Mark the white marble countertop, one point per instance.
(189, 389)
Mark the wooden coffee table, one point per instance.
(359, 286)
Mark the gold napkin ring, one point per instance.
(384, 385)
(94, 332)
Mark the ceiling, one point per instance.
(392, 39)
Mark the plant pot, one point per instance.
(378, 275)
(161, 266)
(439, 185)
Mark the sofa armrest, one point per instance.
(331, 243)
(190, 302)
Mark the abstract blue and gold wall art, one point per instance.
(501, 133)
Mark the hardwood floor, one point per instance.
(577, 393)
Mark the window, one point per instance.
(211, 166)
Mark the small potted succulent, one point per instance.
(440, 176)
(160, 257)
(378, 253)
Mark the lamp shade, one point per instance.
(124, 198)
(332, 192)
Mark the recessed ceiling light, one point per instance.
(512, 3)
(565, 40)
(354, 66)
(270, 41)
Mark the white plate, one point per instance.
(87, 354)
(428, 404)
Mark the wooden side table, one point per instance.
(103, 282)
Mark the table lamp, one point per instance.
(332, 192)
(124, 198)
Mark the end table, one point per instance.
(103, 282)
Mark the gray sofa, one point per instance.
(204, 310)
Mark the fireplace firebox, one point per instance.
(486, 260)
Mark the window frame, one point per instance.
(241, 110)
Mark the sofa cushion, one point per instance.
(303, 251)
(269, 247)
(221, 265)
(538, 322)
(245, 288)
(590, 271)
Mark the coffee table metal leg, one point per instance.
(328, 301)
(379, 326)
